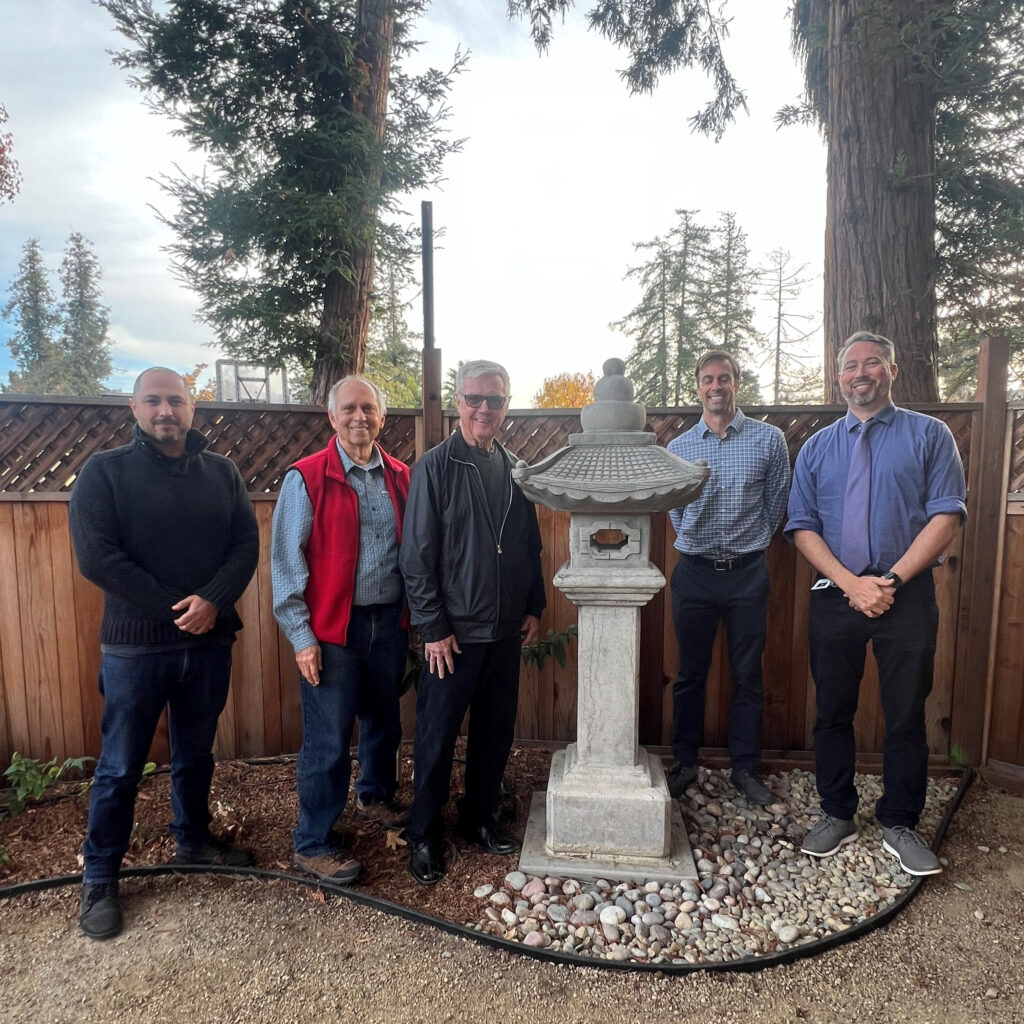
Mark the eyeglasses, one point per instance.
(494, 402)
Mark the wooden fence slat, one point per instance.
(38, 628)
(269, 636)
(68, 672)
(14, 735)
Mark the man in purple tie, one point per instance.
(877, 498)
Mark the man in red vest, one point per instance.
(339, 599)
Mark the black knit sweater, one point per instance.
(150, 530)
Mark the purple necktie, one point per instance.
(854, 546)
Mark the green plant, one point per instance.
(551, 646)
(5, 857)
(29, 779)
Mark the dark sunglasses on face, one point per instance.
(494, 402)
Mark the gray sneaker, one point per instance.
(828, 835)
(910, 850)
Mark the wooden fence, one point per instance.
(49, 656)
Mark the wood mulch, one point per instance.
(255, 804)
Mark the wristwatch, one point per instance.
(896, 581)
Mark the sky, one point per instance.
(562, 172)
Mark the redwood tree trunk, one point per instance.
(341, 348)
(880, 225)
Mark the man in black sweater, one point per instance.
(167, 531)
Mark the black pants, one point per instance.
(903, 640)
(701, 597)
(486, 683)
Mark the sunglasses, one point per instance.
(494, 402)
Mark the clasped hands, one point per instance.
(871, 595)
(198, 614)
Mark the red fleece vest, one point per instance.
(332, 551)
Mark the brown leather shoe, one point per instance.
(338, 866)
(388, 813)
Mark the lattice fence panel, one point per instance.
(45, 442)
(1016, 483)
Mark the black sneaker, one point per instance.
(101, 916)
(679, 777)
(747, 783)
(215, 852)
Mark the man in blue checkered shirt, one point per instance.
(721, 574)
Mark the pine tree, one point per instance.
(728, 313)
(30, 306)
(85, 347)
(290, 103)
(668, 325)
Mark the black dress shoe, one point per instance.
(487, 839)
(425, 863)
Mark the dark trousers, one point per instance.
(701, 597)
(360, 679)
(193, 685)
(903, 640)
(486, 683)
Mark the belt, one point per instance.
(376, 607)
(725, 564)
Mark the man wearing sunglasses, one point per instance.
(470, 556)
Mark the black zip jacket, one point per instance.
(461, 576)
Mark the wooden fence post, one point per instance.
(980, 552)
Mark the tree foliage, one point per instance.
(58, 348)
(205, 392)
(660, 37)
(288, 102)
(10, 175)
(85, 346)
(697, 292)
(966, 58)
(566, 391)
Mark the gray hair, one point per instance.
(875, 339)
(137, 386)
(480, 368)
(360, 379)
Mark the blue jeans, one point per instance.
(193, 684)
(701, 597)
(360, 679)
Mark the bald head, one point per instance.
(163, 409)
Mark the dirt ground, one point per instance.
(208, 948)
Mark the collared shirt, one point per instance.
(744, 499)
(916, 473)
(377, 577)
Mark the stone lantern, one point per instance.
(608, 812)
